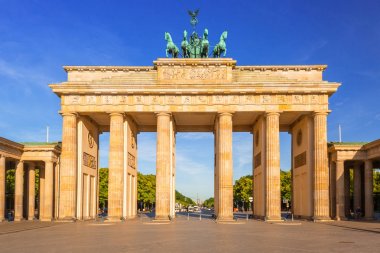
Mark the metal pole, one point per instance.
(340, 133)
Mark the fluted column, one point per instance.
(216, 167)
(357, 187)
(47, 214)
(272, 164)
(225, 168)
(368, 189)
(163, 176)
(116, 167)
(321, 176)
(19, 191)
(31, 190)
(2, 187)
(340, 192)
(68, 170)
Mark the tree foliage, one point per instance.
(286, 185)
(209, 202)
(183, 200)
(376, 181)
(243, 189)
(103, 187)
(146, 189)
(10, 181)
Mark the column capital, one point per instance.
(116, 114)
(321, 113)
(270, 113)
(225, 114)
(69, 114)
(168, 114)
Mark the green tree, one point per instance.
(103, 187)
(10, 181)
(242, 191)
(286, 182)
(376, 181)
(146, 190)
(209, 202)
(183, 200)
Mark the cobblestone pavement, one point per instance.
(143, 235)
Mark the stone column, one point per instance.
(116, 167)
(68, 170)
(163, 176)
(357, 186)
(216, 166)
(272, 167)
(47, 214)
(225, 167)
(347, 197)
(340, 192)
(19, 194)
(31, 190)
(321, 175)
(2, 187)
(368, 189)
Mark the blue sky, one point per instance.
(38, 37)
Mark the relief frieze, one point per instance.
(131, 161)
(89, 160)
(300, 160)
(195, 73)
(265, 99)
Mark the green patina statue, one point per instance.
(185, 46)
(204, 44)
(198, 47)
(221, 47)
(171, 48)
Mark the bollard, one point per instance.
(200, 216)
(292, 217)
(247, 216)
(188, 216)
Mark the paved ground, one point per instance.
(142, 235)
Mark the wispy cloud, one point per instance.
(310, 50)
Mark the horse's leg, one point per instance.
(225, 52)
(167, 55)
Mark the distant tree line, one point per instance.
(146, 191)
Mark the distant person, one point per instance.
(358, 213)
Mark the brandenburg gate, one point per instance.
(194, 95)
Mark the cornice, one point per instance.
(195, 62)
(11, 144)
(282, 68)
(108, 68)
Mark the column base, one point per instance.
(161, 218)
(225, 219)
(322, 219)
(341, 218)
(273, 219)
(31, 218)
(46, 219)
(2, 220)
(67, 219)
(18, 219)
(114, 219)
